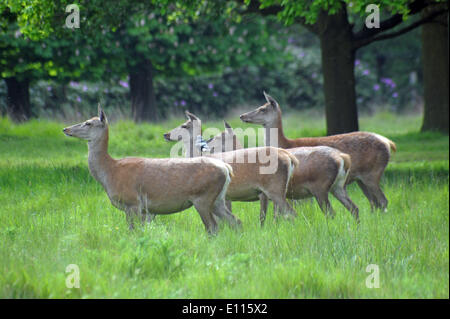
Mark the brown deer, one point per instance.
(321, 170)
(149, 186)
(369, 152)
(249, 179)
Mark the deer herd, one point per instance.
(220, 170)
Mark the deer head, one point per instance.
(265, 114)
(90, 130)
(192, 127)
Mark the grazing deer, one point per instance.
(369, 152)
(321, 170)
(149, 186)
(249, 180)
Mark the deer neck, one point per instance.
(236, 144)
(100, 163)
(189, 144)
(190, 149)
(274, 135)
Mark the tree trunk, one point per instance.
(338, 58)
(18, 99)
(435, 74)
(143, 100)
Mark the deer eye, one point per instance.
(88, 123)
(184, 126)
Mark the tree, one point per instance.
(155, 39)
(18, 101)
(330, 21)
(155, 45)
(44, 48)
(23, 61)
(435, 70)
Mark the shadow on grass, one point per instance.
(24, 175)
(29, 175)
(429, 172)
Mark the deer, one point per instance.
(321, 170)
(144, 187)
(248, 181)
(369, 152)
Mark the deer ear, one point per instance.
(270, 99)
(191, 116)
(227, 126)
(101, 114)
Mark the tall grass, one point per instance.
(53, 213)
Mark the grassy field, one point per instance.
(53, 213)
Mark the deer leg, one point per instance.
(294, 203)
(372, 187)
(291, 213)
(375, 189)
(324, 204)
(228, 204)
(341, 195)
(277, 195)
(222, 212)
(149, 217)
(205, 209)
(264, 201)
(276, 211)
(369, 195)
(133, 214)
(130, 221)
(281, 205)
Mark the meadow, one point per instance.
(53, 214)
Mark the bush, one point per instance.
(296, 82)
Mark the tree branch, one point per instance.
(365, 33)
(253, 7)
(429, 18)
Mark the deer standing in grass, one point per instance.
(369, 152)
(321, 170)
(147, 186)
(249, 180)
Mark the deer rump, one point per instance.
(248, 181)
(320, 167)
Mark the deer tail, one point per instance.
(392, 146)
(230, 170)
(294, 160)
(347, 161)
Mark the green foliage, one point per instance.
(213, 96)
(174, 44)
(39, 19)
(151, 33)
(308, 11)
(21, 57)
(179, 47)
(64, 59)
(191, 47)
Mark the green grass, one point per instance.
(53, 213)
